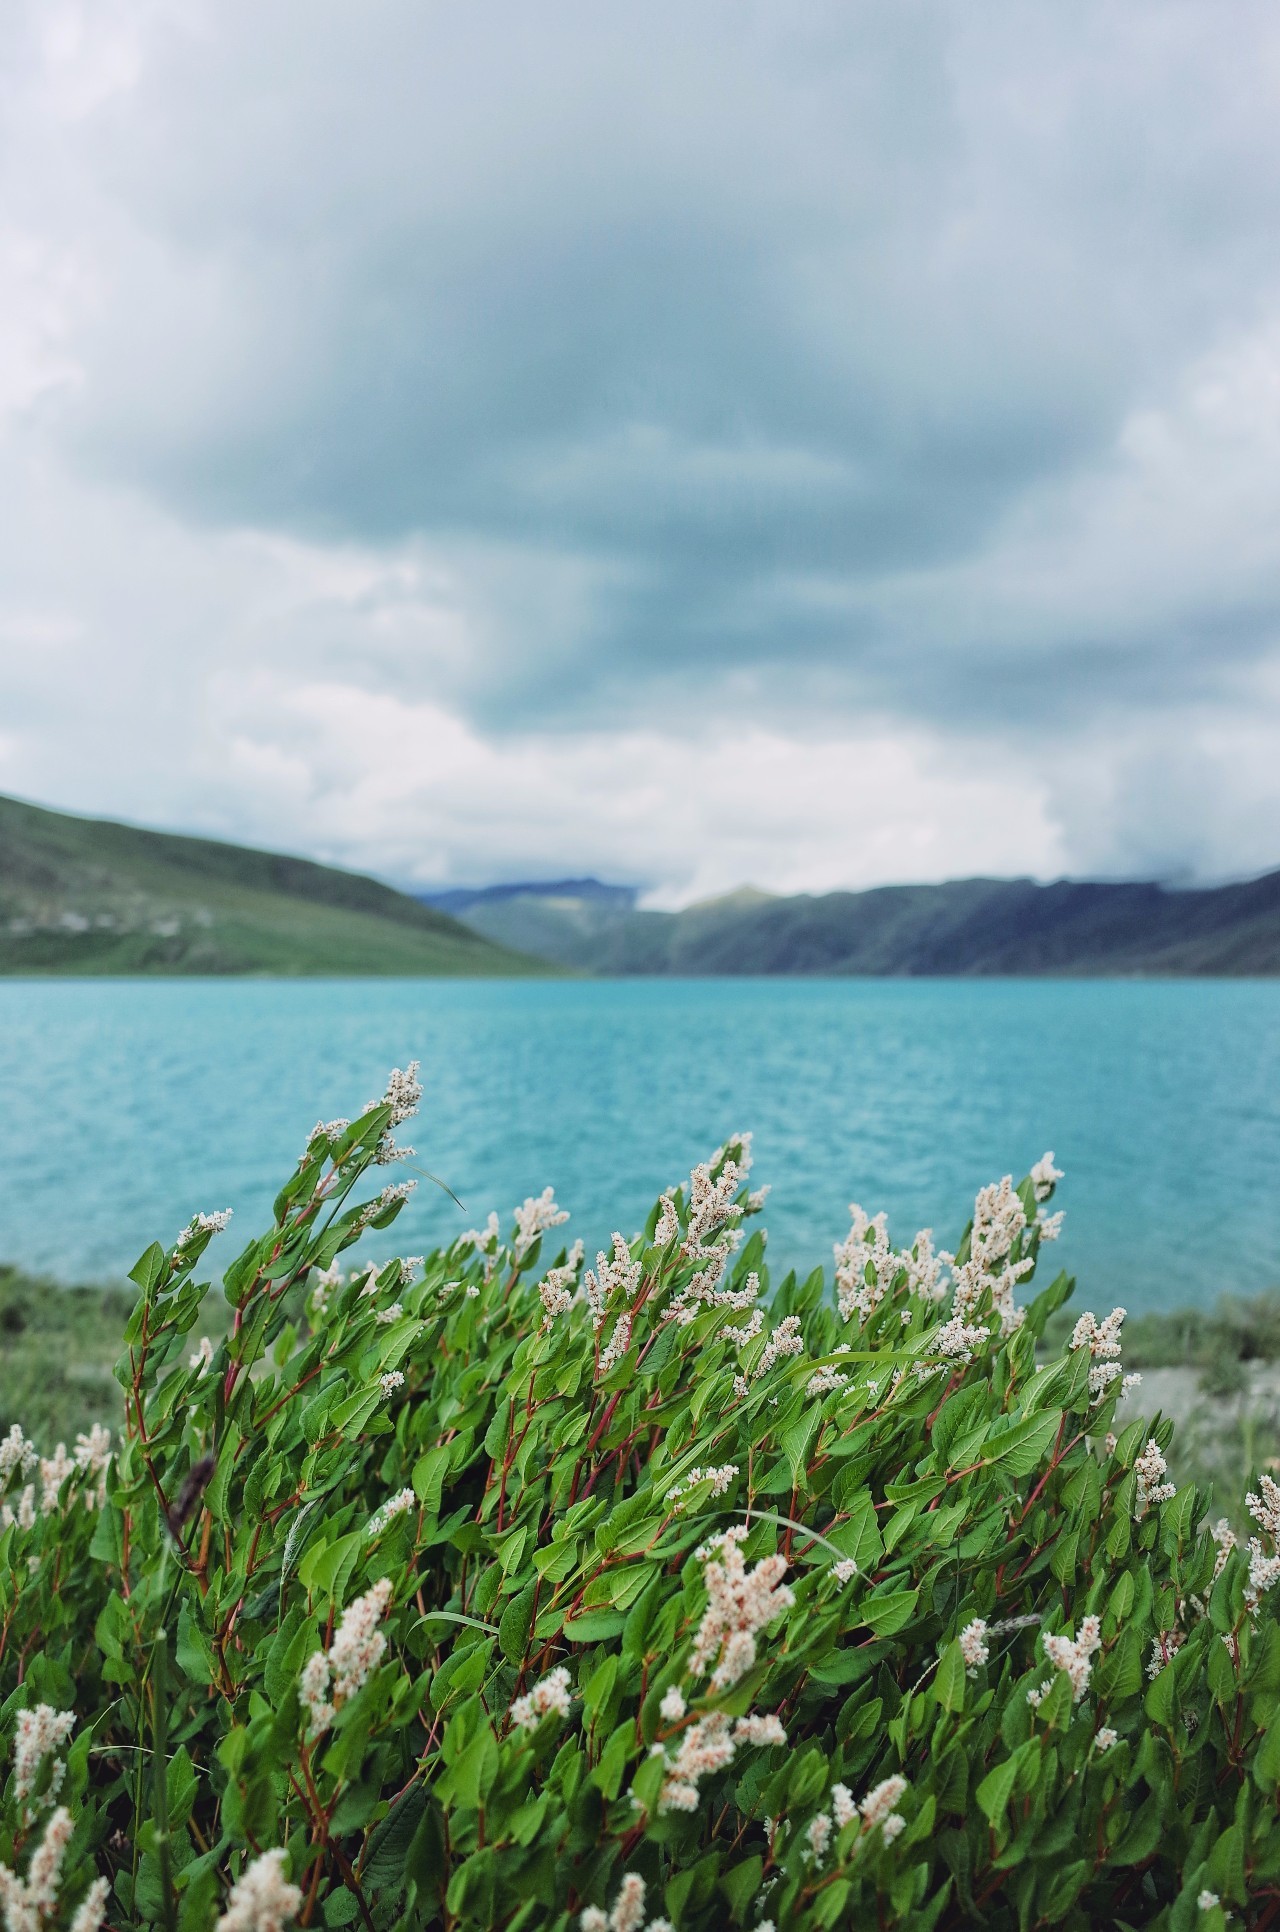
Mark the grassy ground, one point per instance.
(84, 896)
(57, 1350)
(1217, 1371)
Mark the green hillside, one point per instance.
(967, 927)
(91, 897)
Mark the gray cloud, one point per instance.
(838, 368)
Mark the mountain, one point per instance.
(565, 921)
(81, 895)
(967, 927)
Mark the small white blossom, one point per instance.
(550, 1693)
(740, 1602)
(92, 1909)
(719, 1479)
(1149, 1468)
(879, 1807)
(394, 1506)
(672, 1707)
(391, 1381)
(1045, 1176)
(974, 1647)
(28, 1903)
(354, 1654)
(533, 1217)
(1207, 1900)
(845, 1570)
(201, 1357)
(819, 1835)
(785, 1340)
(41, 1733)
(1075, 1656)
(385, 1316)
(16, 1453)
(843, 1806)
(1104, 1737)
(54, 1471)
(262, 1899)
(1265, 1509)
(203, 1224)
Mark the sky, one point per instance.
(803, 444)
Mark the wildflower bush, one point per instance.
(495, 1590)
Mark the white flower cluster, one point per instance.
(614, 1276)
(41, 1733)
(391, 1381)
(865, 1251)
(1102, 1339)
(201, 1357)
(823, 1380)
(29, 1903)
(998, 1222)
(719, 1478)
(1164, 1646)
(329, 1678)
(54, 1471)
(1104, 1737)
(92, 1459)
(16, 1453)
(879, 1807)
(404, 1091)
(667, 1229)
(262, 1898)
(328, 1130)
(550, 1693)
(627, 1914)
(1045, 1176)
(559, 1286)
(974, 1645)
(1075, 1656)
(713, 1208)
(533, 1217)
(868, 1267)
(1264, 1570)
(394, 1506)
(1149, 1467)
(957, 1341)
(203, 1224)
(708, 1746)
(785, 1339)
(740, 1602)
(391, 1313)
(485, 1240)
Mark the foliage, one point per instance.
(477, 1592)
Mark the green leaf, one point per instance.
(949, 1684)
(513, 1631)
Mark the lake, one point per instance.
(131, 1104)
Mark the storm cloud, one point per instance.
(807, 444)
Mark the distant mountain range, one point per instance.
(87, 896)
(968, 927)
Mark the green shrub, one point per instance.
(485, 1591)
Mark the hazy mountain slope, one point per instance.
(89, 896)
(966, 927)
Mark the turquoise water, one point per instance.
(129, 1105)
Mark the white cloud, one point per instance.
(809, 451)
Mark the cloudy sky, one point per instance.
(807, 444)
